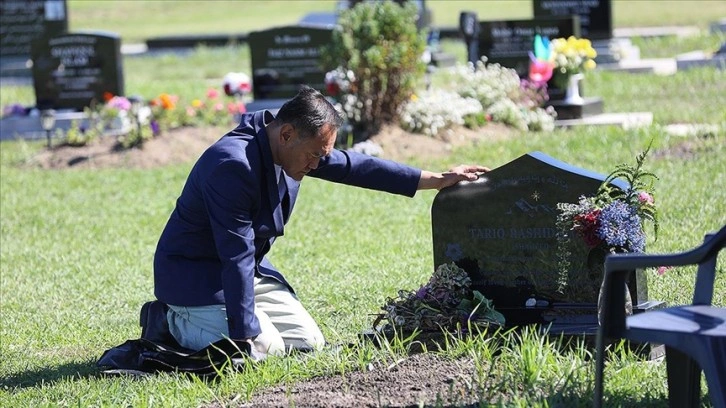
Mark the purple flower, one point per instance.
(620, 226)
(155, 129)
(15, 110)
(421, 293)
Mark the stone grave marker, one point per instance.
(509, 42)
(596, 16)
(23, 21)
(73, 69)
(284, 58)
(501, 229)
(596, 24)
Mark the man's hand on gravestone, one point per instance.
(430, 180)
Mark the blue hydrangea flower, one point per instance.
(620, 226)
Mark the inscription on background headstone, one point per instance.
(72, 70)
(596, 16)
(284, 58)
(22, 21)
(502, 230)
(509, 42)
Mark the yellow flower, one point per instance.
(197, 103)
(589, 64)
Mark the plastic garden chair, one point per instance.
(694, 335)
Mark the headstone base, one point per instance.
(615, 50)
(589, 107)
(626, 120)
(28, 127)
(700, 59)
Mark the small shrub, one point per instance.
(378, 42)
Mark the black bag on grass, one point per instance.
(157, 350)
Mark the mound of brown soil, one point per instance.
(185, 144)
(419, 380)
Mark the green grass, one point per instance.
(135, 21)
(76, 246)
(76, 251)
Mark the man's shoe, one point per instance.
(154, 326)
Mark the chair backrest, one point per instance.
(703, 293)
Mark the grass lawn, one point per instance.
(76, 246)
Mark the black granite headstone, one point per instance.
(284, 58)
(509, 42)
(596, 16)
(23, 21)
(74, 69)
(502, 230)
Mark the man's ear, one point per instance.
(287, 131)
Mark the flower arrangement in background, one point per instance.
(446, 302)
(611, 221)
(561, 58)
(236, 84)
(572, 56)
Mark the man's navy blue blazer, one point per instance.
(230, 211)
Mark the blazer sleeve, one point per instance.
(361, 170)
(229, 195)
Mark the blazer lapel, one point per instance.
(269, 176)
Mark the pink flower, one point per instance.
(212, 93)
(662, 270)
(119, 102)
(645, 198)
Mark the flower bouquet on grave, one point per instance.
(612, 221)
(445, 304)
(570, 57)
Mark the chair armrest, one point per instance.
(629, 261)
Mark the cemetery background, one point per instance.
(76, 263)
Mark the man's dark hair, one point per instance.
(308, 112)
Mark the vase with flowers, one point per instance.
(571, 57)
(611, 221)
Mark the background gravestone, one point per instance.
(509, 42)
(596, 16)
(284, 58)
(74, 69)
(502, 230)
(23, 21)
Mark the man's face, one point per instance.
(299, 155)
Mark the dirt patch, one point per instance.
(175, 146)
(399, 144)
(419, 380)
(185, 144)
(687, 149)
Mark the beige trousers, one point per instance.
(284, 322)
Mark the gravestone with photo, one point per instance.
(502, 230)
(283, 58)
(22, 22)
(72, 70)
(596, 24)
